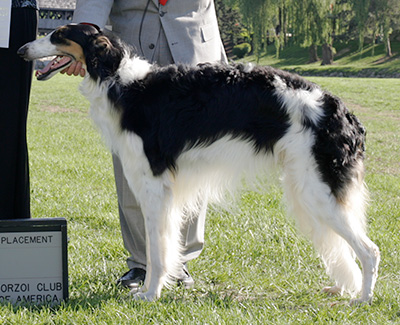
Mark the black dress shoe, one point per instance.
(185, 279)
(132, 279)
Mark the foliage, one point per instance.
(316, 23)
(241, 50)
(259, 19)
(310, 30)
(370, 62)
(229, 22)
(361, 10)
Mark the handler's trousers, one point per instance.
(132, 225)
(15, 86)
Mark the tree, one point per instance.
(361, 10)
(316, 23)
(260, 19)
(229, 22)
(312, 27)
(387, 11)
(254, 15)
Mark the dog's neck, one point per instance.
(132, 69)
(118, 64)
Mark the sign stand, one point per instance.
(33, 261)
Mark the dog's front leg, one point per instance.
(156, 199)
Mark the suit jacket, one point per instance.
(190, 26)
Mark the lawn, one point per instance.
(255, 268)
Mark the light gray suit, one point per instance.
(182, 31)
(190, 26)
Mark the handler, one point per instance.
(15, 87)
(165, 32)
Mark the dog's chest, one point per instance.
(102, 112)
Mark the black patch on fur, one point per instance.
(81, 34)
(176, 108)
(103, 59)
(339, 145)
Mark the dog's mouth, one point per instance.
(59, 63)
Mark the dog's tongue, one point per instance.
(56, 63)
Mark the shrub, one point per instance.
(241, 50)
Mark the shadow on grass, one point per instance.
(85, 299)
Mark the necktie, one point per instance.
(163, 2)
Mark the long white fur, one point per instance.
(206, 173)
(132, 69)
(337, 228)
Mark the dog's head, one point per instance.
(75, 42)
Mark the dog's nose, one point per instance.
(22, 51)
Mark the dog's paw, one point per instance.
(144, 296)
(334, 290)
(360, 302)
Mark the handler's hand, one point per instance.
(75, 69)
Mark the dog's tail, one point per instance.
(339, 152)
(339, 147)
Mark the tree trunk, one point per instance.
(312, 53)
(374, 32)
(386, 37)
(388, 47)
(327, 54)
(285, 26)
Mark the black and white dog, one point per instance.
(185, 134)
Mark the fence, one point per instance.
(50, 18)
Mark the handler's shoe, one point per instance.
(185, 280)
(134, 278)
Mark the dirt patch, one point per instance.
(387, 59)
(392, 115)
(342, 52)
(58, 109)
(356, 107)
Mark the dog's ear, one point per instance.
(102, 43)
(103, 56)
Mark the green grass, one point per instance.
(348, 61)
(255, 268)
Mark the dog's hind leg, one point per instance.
(349, 223)
(366, 251)
(336, 229)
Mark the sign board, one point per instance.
(33, 261)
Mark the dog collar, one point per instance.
(93, 25)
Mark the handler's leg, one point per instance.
(133, 232)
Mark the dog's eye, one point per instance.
(56, 35)
(59, 36)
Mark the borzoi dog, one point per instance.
(188, 133)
